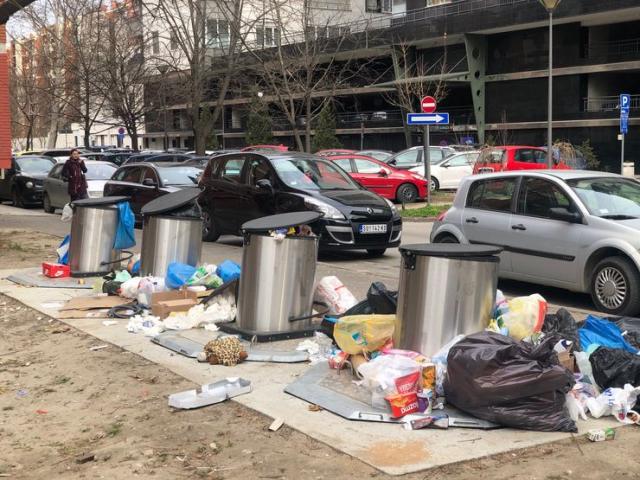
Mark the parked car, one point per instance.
(412, 157)
(143, 182)
(334, 151)
(158, 158)
(244, 186)
(513, 157)
(381, 155)
(141, 156)
(447, 173)
(29, 153)
(115, 157)
(386, 181)
(56, 189)
(22, 183)
(265, 148)
(61, 154)
(572, 229)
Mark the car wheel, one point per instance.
(447, 238)
(210, 231)
(435, 184)
(16, 199)
(407, 193)
(46, 204)
(615, 286)
(376, 252)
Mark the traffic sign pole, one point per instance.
(625, 105)
(427, 161)
(622, 156)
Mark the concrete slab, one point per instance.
(388, 448)
(33, 277)
(7, 210)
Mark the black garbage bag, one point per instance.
(510, 383)
(631, 326)
(379, 301)
(563, 324)
(614, 367)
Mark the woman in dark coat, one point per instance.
(73, 172)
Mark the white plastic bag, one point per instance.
(614, 401)
(67, 213)
(380, 375)
(332, 292)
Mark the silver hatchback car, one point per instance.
(577, 230)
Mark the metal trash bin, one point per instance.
(93, 232)
(171, 232)
(278, 279)
(444, 290)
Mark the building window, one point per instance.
(379, 6)
(218, 32)
(155, 42)
(267, 36)
(173, 41)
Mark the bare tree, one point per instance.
(23, 92)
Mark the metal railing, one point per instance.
(607, 104)
(615, 48)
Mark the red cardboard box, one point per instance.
(55, 270)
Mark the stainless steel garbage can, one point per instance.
(171, 232)
(444, 290)
(278, 276)
(93, 231)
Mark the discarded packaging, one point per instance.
(94, 302)
(55, 270)
(432, 421)
(601, 435)
(276, 424)
(210, 393)
(332, 292)
(163, 303)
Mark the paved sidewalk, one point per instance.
(21, 212)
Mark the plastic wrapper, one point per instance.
(563, 324)
(614, 401)
(228, 271)
(331, 292)
(388, 375)
(596, 332)
(525, 316)
(178, 274)
(511, 383)
(379, 301)
(67, 213)
(630, 328)
(125, 234)
(613, 367)
(363, 333)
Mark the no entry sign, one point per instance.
(428, 104)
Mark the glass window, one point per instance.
(129, 175)
(35, 165)
(312, 174)
(458, 161)
(155, 42)
(345, 164)
(149, 173)
(232, 169)
(365, 166)
(539, 156)
(538, 197)
(179, 175)
(435, 155)
(173, 41)
(257, 170)
(609, 197)
(99, 171)
(493, 194)
(409, 157)
(55, 171)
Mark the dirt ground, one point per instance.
(69, 412)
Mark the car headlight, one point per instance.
(327, 210)
(393, 208)
(29, 184)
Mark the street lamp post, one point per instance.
(550, 6)
(165, 140)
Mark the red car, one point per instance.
(334, 151)
(513, 157)
(265, 148)
(386, 181)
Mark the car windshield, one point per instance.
(609, 197)
(179, 175)
(312, 174)
(34, 165)
(99, 171)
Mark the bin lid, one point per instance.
(283, 220)
(450, 250)
(170, 202)
(102, 201)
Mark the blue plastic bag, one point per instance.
(178, 274)
(125, 236)
(228, 271)
(63, 250)
(597, 331)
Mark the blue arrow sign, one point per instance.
(625, 104)
(435, 118)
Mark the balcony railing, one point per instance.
(607, 104)
(613, 49)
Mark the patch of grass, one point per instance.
(114, 429)
(424, 212)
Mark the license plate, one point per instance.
(373, 228)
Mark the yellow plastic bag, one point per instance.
(358, 333)
(525, 316)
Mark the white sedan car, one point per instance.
(447, 173)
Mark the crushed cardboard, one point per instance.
(94, 302)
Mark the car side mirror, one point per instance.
(445, 165)
(391, 162)
(265, 184)
(383, 172)
(564, 215)
(149, 182)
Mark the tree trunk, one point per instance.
(87, 137)
(52, 134)
(407, 130)
(307, 130)
(134, 139)
(298, 139)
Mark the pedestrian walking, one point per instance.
(73, 173)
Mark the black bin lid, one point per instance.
(283, 220)
(99, 202)
(450, 250)
(171, 202)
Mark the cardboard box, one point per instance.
(567, 360)
(55, 270)
(163, 303)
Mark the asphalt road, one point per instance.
(355, 269)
